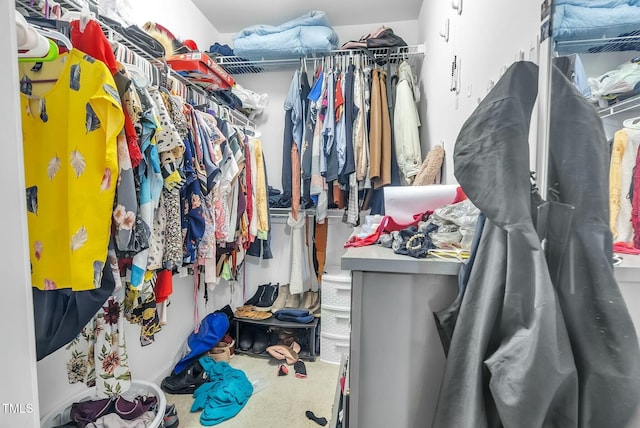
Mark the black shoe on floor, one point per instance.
(186, 381)
(170, 419)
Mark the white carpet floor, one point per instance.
(284, 401)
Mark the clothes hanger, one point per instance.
(52, 54)
(55, 35)
(36, 46)
(84, 16)
(27, 37)
(632, 123)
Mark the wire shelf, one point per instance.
(627, 42)
(237, 65)
(631, 103)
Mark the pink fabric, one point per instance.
(624, 248)
(355, 241)
(635, 203)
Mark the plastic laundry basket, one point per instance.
(61, 416)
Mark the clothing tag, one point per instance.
(37, 67)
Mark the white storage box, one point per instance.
(333, 347)
(336, 289)
(61, 416)
(336, 320)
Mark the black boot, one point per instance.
(256, 297)
(267, 298)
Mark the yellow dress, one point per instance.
(69, 130)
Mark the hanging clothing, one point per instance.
(151, 183)
(98, 356)
(406, 123)
(92, 41)
(385, 148)
(624, 229)
(172, 258)
(495, 374)
(71, 178)
(169, 143)
(635, 203)
(608, 364)
(293, 128)
(375, 127)
(261, 246)
(329, 160)
(61, 314)
(310, 114)
(126, 196)
(296, 278)
(317, 184)
(340, 138)
(349, 166)
(519, 354)
(615, 179)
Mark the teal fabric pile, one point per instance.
(226, 393)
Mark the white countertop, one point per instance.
(374, 258)
(629, 269)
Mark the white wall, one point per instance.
(486, 37)
(17, 360)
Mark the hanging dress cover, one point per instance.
(510, 361)
(513, 361)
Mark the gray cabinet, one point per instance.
(396, 361)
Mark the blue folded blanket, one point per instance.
(306, 35)
(594, 19)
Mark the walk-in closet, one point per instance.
(294, 214)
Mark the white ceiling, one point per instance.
(233, 16)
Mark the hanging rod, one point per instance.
(284, 212)
(238, 65)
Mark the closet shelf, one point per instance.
(629, 42)
(237, 65)
(620, 107)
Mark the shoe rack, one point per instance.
(309, 329)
